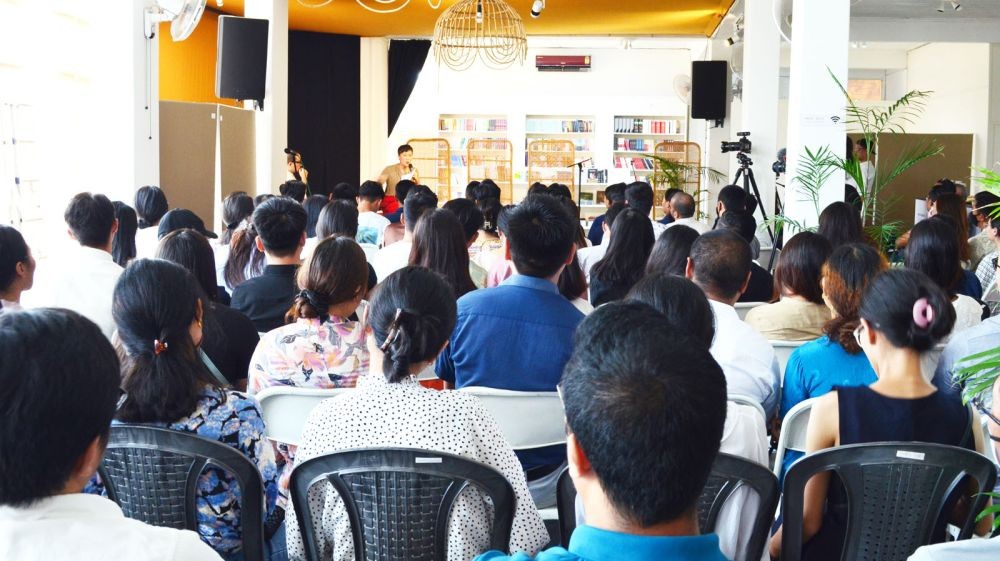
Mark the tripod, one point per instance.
(750, 187)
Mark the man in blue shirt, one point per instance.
(519, 335)
(645, 405)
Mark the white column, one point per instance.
(709, 136)
(272, 123)
(374, 105)
(145, 96)
(993, 131)
(816, 115)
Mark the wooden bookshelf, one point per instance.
(577, 129)
(636, 136)
(551, 161)
(432, 158)
(459, 129)
(492, 159)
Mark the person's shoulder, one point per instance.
(551, 554)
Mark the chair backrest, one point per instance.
(399, 500)
(742, 308)
(285, 409)
(783, 350)
(900, 495)
(793, 432)
(153, 473)
(527, 419)
(729, 473)
(749, 402)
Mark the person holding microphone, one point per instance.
(393, 174)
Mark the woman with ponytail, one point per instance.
(411, 316)
(903, 314)
(244, 261)
(236, 211)
(159, 310)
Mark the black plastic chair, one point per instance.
(729, 473)
(152, 474)
(399, 500)
(900, 496)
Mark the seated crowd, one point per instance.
(659, 336)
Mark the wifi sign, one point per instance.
(835, 119)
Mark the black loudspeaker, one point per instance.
(709, 83)
(241, 66)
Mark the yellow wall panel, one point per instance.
(187, 68)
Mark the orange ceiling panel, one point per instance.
(561, 17)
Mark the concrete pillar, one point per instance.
(816, 114)
(145, 103)
(993, 130)
(374, 110)
(272, 123)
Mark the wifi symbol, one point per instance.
(835, 119)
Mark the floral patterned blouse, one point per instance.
(232, 418)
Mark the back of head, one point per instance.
(13, 250)
(90, 218)
(681, 301)
(942, 187)
(491, 214)
(439, 244)
(541, 233)
(123, 244)
(280, 222)
(671, 250)
(371, 191)
(739, 222)
(337, 272)
(954, 207)
(419, 200)
(644, 409)
(909, 309)
(560, 190)
(403, 189)
(612, 214)
(629, 248)
(846, 275)
(615, 193)
(261, 198)
(733, 198)
(472, 190)
(314, 205)
(800, 266)
(639, 195)
(412, 314)
(487, 190)
(840, 223)
(337, 218)
(345, 192)
(293, 189)
(721, 260)
(683, 204)
(155, 304)
(537, 188)
(503, 219)
(468, 214)
(933, 250)
(191, 250)
(59, 381)
(986, 202)
(150, 205)
(236, 208)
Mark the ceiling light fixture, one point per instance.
(485, 29)
(737, 36)
(377, 6)
(955, 5)
(537, 7)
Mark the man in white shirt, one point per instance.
(61, 378)
(371, 224)
(720, 264)
(639, 195)
(682, 207)
(589, 256)
(395, 256)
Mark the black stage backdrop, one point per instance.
(324, 97)
(406, 59)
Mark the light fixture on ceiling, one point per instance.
(489, 30)
(954, 4)
(377, 6)
(537, 7)
(737, 36)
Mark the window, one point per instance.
(865, 89)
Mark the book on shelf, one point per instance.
(633, 144)
(644, 164)
(635, 125)
(471, 125)
(534, 126)
(586, 197)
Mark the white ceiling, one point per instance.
(924, 9)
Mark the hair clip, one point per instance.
(923, 313)
(159, 346)
(393, 330)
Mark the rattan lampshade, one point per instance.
(486, 29)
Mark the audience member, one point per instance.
(799, 314)
(668, 216)
(371, 224)
(589, 256)
(942, 187)
(903, 314)
(344, 191)
(671, 250)
(411, 315)
(179, 219)
(150, 206)
(980, 245)
(761, 286)
(537, 188)
(732, 198)
(439, 245)
(933, 250)
(987, 270)
(261, 198)
(840, 224)
(954, 207)
(681, 301)
(294, 189)
(244, 260)
(572, 285)
(313, 205)
(471, 190)
(502, 267)
(17, 269)
(683, 208)
(625, 261)
(229, 336)
(488, 249)
(639, 195)
(395, 230)
(396, 256)
(60, 382)
(720, 265)
(237, 208)
(863, 153)
(280, 224)
(472, 222)
(159, 309)
(123, 244)
(613, 194)
(340, 218)
(667, 394)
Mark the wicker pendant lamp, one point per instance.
(486, 29)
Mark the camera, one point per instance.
(778, 167)
(742, 145)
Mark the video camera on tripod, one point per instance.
(742, 145)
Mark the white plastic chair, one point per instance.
(783, 350)
(285, 409)
(749, 402)
(527, 419)
(742, 308)
(793, 432)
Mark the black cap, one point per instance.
(180, 218)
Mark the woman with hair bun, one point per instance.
(903, 314)
(411, 316)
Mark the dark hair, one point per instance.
(503, 219)
(243, 256)
(612, 214)
(293, 189)
(889, 305)
(649, 408)
(625, 260)
(13, 250)
(280, 223)
(236, 208)
(314, 205)
(471, 217)
(944, 186)
(986, 199)
(491, 214)
(345, 192)
(261, 198)
(560, 190)
(123, 244)
(538, 188)
(671, 250)
(439, 244)
(403, 189)
(849, 149)
(150, 205)
(415, 309)
(846, 274)
(933, 250)
(337, 217)
(417, 202)
(721, 260)
(471, 189)
(335, 273)
(800, 266)
(615, 193)
(541, 235)
(90, 217)
(371, 191)
(580, 239)
(403, 148)
(157, 301)
(487, 190)
(572, 283)
(733, 198)
(681, 301)
(739, 222)
(639, 195)
(953, 206)
(191, 250)
(683, 204)
(58, 389)
(840, 223)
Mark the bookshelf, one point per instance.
(432, 159)
(493, 159)
(551, 161)
(636, 136)
(573, 128)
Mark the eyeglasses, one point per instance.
(983, 410)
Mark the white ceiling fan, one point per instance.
(183, 16)
(682, 87)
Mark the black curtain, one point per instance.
(406, 59)
(324, 97)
